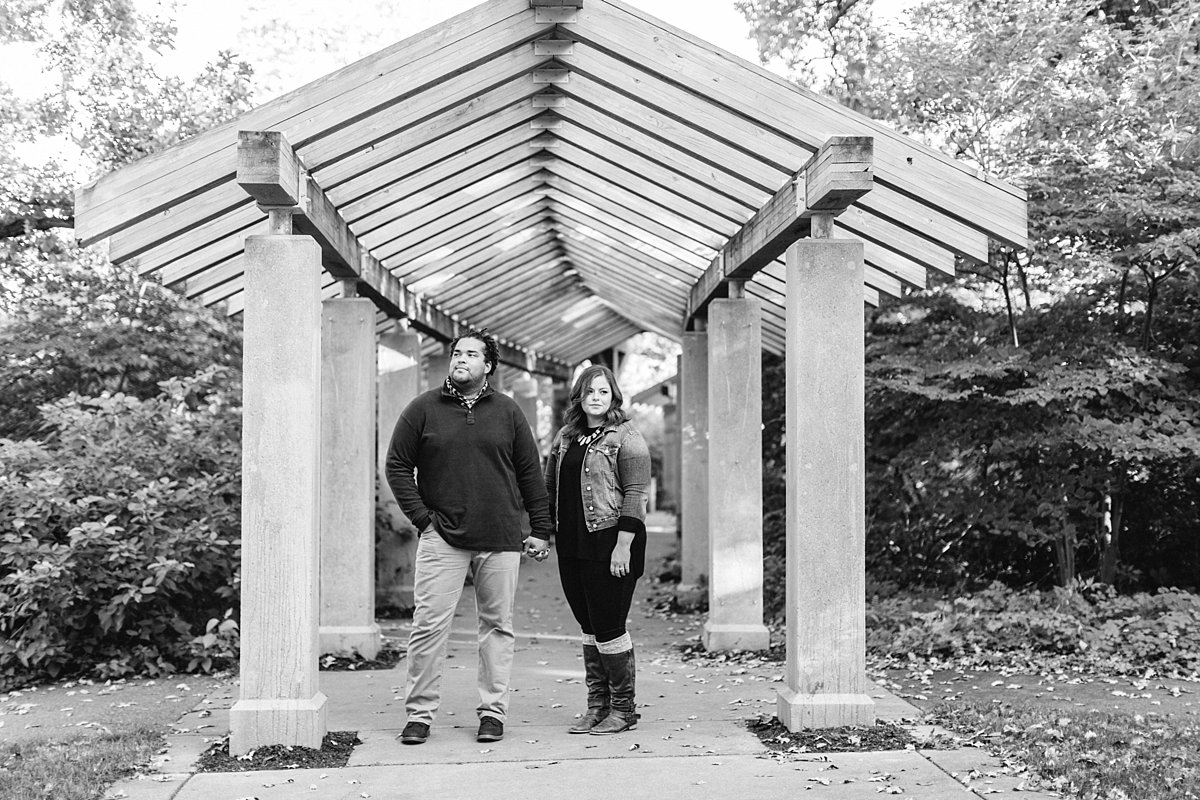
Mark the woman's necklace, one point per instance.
(585, 439)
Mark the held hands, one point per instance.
(537, 549)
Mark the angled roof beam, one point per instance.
(271, 172)
(838, 174)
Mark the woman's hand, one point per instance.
(618, 562)
(537, 549)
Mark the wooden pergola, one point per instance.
(569, 173)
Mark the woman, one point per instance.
(596, 475)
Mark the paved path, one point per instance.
(691, 742)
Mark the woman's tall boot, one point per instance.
(597, 688)
(621, 679)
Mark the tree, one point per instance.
(108, 104)
(119, 426)
(826, 44)
(1058, 434)
(68, 321)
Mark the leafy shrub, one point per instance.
(78, 324)
(1091, 624)
(120, 533)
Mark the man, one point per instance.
(460, 456)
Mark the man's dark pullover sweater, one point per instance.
(471, 480)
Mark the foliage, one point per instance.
(106, 104)
(786, 745)
(334, 753)
(1092, 626)
(78, 325)
(1075, 455)
(121, 533)
(1095, 108)
(815, 38)
(984, 458)
(1093, 754)
(1055, 437)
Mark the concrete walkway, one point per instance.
(691, 742)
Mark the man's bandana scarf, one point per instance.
(463, 398)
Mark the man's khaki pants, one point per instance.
(440, 573)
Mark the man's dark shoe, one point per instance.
(490, 730)
(415, 733)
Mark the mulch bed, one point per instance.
(849, 739)
(335, 752)
(387, 657)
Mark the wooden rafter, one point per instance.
(531, 153)
(271, 172)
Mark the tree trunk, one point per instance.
(1151, 296)
(1110, 531)
(1064, 554)
(1012, 319)
(1121, 293)
(999, 263)
(1024, 280)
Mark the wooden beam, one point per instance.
(677, 58)
(839, 173)
(264, 161)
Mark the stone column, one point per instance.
(693, 436)
(348, 478)
(281, 465)
(735, 564)
(826, 596)
(670, 463)
(525, 392)
(437, 366)
(399, 382)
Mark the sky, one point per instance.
(303, 51)
(204, 28)
(289, 50)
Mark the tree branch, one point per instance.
(11, 228)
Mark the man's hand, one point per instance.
(537, 549)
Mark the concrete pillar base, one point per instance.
(257, 723)
(725, 637)
(346, 640)
(798, 711)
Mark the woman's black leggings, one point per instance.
(599, 601)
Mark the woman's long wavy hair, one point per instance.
(575, 420)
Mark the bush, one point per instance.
(120, 538)
(82, 325)
(1091, 624)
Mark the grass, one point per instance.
(74, 770)
(1093, 755)
(72, 740)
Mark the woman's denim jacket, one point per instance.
(613, 480)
